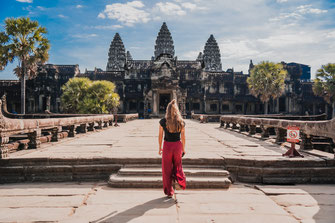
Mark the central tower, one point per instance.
(164, 43)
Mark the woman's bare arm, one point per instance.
(160, 139)
(183, 140)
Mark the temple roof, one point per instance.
(164, 42)
(212, 56)
(117, 54)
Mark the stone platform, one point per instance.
(96, 155)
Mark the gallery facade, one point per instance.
(199, 86)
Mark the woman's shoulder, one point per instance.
(162, 122)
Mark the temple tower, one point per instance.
(116, 55)
(251, 65)
(164, 43)
(211, 55)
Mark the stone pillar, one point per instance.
(227, 125)
(252, 129)
(34, 139)
(83, 128)
(110, 122)
(154, 103)
(222, 123)
(48, 103)
(99, 125)
(242, 128)
(54, 134)
(90, 127)
(265, 131)
(234, 126)
(280, 135)
(72, 131)
(306, 141)
(3, 147)
(277, 106)
(106, 123)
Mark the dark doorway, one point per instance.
(282, 104)
(164, 100)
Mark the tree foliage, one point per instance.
(81, 95)
(23, 40)
(267, 80)
(324, 84)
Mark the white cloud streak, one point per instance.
(128, 13)
(25, 1)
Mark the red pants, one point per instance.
(172, 167)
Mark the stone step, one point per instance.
(118, 181)
(189, 171)
(57, 173)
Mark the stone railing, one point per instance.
(308, 129)
(291, 117)
(34, 131)
(204, 118)
(126, 117)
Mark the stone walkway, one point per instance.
(139, 139)
(96, 202)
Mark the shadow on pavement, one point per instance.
(137, 211)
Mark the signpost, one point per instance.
(293, 136)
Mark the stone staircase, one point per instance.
(150, 176)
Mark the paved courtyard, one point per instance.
(139, 139)
(96, 202)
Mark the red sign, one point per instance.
(293, 134)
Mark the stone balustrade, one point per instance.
(308, 129)
(126, 117)
(204, 118)
(32, 131)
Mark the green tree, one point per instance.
(324, 84)
(24, 41)
(81, 95)
(266, 81)
(74, 91)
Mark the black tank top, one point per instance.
(168, 136)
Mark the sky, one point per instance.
(80, 31)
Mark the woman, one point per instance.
(173, 128)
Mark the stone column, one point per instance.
(252, 129)
(99, 125)
(242, 128)
(154, 103)
(83, 128)
(280, 135)
(106, 123)
(265, 131)
(3, 147)
(90, 127)
(306, 141)
(48, 103)
(54, 134)
(72, 131)
(34, 139)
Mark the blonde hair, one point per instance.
(174, 121)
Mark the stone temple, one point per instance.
(146, 86)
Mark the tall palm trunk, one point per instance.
(23, 94)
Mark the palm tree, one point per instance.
(324, 84)
(23, 40)
(266, 81)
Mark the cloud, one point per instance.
(84, 36)
(41, 8)
(62, 16)
(298, 13)
(128, 13)
(282, 1)
(25, 1)
(79, 6)
(109, 27)
(169, 8)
